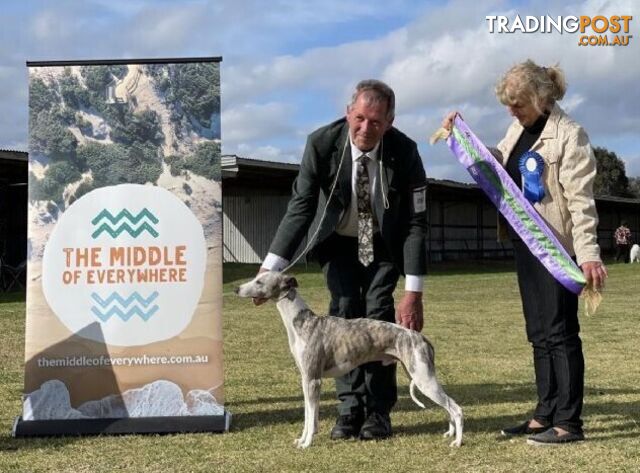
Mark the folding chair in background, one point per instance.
(12, 276)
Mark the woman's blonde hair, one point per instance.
(529, 83)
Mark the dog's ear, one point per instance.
(288, 282)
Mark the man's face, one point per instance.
(367, 122)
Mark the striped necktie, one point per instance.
(365, 218)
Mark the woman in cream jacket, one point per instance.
(564, 159)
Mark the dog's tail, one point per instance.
(430, 357)
(412, 392)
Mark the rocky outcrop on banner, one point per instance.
(158, 399)
(199, 402)
(43, 216)
(51, 401)
(201, 195)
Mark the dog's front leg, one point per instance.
(305, 394)
(311, 391)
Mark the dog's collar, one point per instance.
(290, 294)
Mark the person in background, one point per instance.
(563, 169)
(622, 237)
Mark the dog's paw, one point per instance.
(301, 443)
(456, 443)
(449, 433)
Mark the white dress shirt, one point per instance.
(348, 223)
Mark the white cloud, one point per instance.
(334, 70)
(251, 121)
(266, 153)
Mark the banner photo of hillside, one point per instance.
(124, 285)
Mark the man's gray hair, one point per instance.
(376, 92)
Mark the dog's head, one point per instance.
(267, 285)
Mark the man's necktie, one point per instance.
(365, 218)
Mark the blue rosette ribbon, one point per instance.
(531, 167)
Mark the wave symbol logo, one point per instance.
(115, 304)
(125, 221)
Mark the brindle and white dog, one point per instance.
(332, 346)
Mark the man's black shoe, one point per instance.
(523, 429)
(376, 427)
(347, 426)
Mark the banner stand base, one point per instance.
(121, 426)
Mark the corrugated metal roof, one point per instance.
(14, 155)
(232, 163)
(624, 200)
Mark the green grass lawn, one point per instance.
(473, 318)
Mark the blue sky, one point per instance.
(289, 66)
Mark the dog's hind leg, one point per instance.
(422, 373)
(311, 391)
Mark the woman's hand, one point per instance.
(447, 122)
(595, 273)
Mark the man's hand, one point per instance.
(257, 300)
(595, 273)
(409, 311)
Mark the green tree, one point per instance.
(118, 164)
(41, 97)
(143, 127)
(205, 161)
(176, 164)
(634, 186)
(196, 87)
(50, 137)
(57, 176)
(75, 96)
(611, 177)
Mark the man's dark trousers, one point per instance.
(358, 291)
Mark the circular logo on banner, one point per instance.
(125, 265)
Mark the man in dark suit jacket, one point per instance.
(397, 189)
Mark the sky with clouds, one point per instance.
(289, 65)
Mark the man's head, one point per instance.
(370, 113)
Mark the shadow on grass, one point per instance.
(472, 267)
(12, 296)
(476, 395)
(236, 272)
(11, 444)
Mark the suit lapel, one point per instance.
(344, 179)
(386, 163)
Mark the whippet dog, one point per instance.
(328, 346)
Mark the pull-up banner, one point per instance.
(124, 292)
